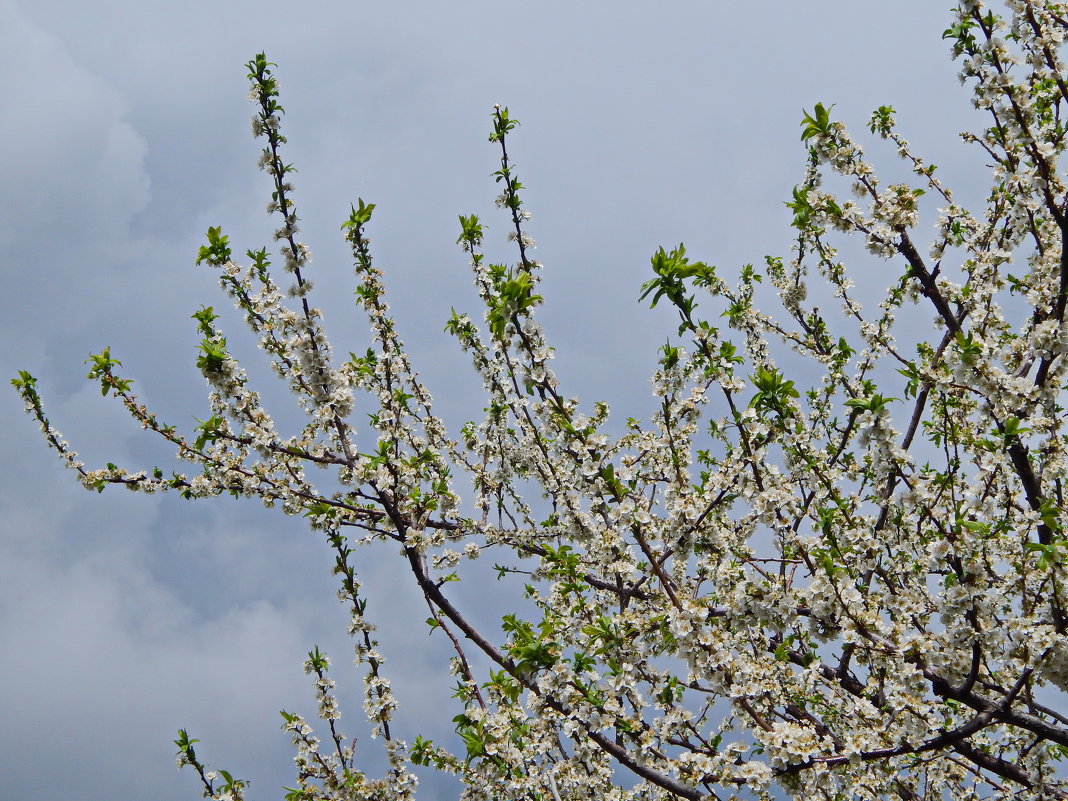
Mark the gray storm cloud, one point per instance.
(126, 135)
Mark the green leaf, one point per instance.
(205, 317)
(212, 355)
(503, 124)
(359, 217)
(774, 391)
(217, 251)
(209, 431)
(471, 230)
(882, 121)
(816, 124)
(800, 207)
(101, 370)
(873, 403)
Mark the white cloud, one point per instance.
(101, 666)
(72, 164)
(122, 617)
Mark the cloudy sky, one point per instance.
(126, 134)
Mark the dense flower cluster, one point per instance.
(849, 586)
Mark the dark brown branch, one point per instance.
(927, 283)
(434, 595)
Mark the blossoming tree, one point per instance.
(851, 586)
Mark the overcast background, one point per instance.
(126, 134)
